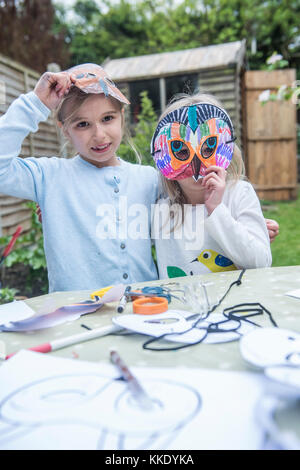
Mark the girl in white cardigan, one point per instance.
(210, 219)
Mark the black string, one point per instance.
(238, 282)
(259, 310)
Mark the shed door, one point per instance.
(270, 136)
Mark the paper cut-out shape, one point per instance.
(192, 138)
(176, 327)
(92, 78)
(266, 347)
(65, 313)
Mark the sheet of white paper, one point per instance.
(15, 311)
(294, 293)
(67, 404)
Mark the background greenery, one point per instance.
(286, 247)
(25, 271)
(40, 32)
(129, 28)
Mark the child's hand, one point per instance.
(273, 229)
(52, 87)
(214, 183)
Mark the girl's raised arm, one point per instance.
(23, 177)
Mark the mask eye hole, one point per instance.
(180, 150)
(208, 147)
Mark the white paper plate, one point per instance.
(266, 347)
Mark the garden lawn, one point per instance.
(286, 247)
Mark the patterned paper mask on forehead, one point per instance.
(192, 138)
(91, 78)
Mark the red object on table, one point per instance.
(10, 245)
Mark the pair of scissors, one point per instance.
(147, 301)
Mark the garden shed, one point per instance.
(213, 69)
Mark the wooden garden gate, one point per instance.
(270, 136)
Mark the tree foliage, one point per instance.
(129, 28)
(137, 145)
(27, 34)
(35, 33)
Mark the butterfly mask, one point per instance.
(91, 78)
(192, 138)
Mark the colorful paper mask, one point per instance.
(192, 138)
(91, 78)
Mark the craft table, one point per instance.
(265, 286)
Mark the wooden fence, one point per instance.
(224, 84)
(16, 79)
(270, 136)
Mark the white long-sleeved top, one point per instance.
(78, 202)
(234, 236)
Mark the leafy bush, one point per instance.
(142, 133)
(7, 295)
(29, 251)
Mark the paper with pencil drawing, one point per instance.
(67, 404)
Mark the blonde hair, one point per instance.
(236, 169)
(72, 102)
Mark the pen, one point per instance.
(64, 342)
(10, 245)
(123, 300)
(134, 386)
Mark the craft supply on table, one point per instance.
(153, 325)
(268, 412)
(134, 386)
(15, 311)
(68, 341)
(150, 305)
(277, 352)
(63, 314)
(10, 245)
(67, 404)
(98, 294)
(124, 300)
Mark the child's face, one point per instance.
(190, 139)
(95, 130)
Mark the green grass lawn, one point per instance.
(286, 247)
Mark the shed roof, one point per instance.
(177, 62)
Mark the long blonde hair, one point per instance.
(236, 169)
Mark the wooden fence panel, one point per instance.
(224, 84)
(270, 136)
(14, 80)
